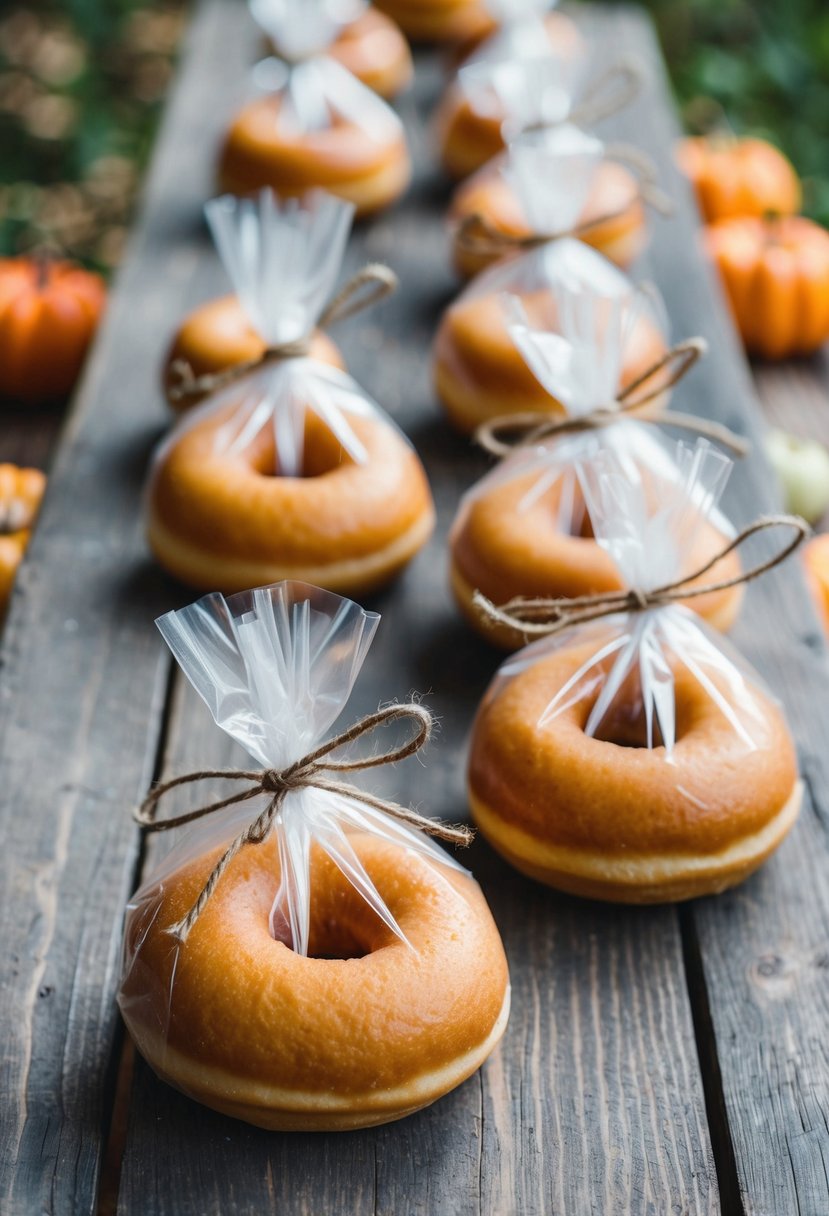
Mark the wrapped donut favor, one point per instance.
(316, 125)
(283, 246)
(557, 181)
(630, 754)
(479, 373)
(525, 529)
(504, 90)
(287, 469)
(306, 958)
(368, 43)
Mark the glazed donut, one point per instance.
(227, 521)
(439, 20)
(363, 1031)
(614, 193)
(218, 335)
(505, 551)
(341, 159)
(479, 372)
(468, 139)
(613, 820)
(374, 50)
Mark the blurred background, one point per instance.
(82, 83)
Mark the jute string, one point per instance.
(477, 236)
(608, 94)
(363, 290)
(307, 773)
(542, 617)
(527, 429)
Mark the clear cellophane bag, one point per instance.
(315, 91)
(283, 257)
(631, 661)
(275, 667)
(580, 363)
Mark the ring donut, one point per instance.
(363, 1031)
(227, 521)
(439, 20)
(342, 159)
(506, 547)
(614, 193)
(612, 820)
(468, 138)
(374, 50)
(218, 335)
(478, 371)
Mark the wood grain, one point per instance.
(594, 1103)
(83, 681)
(763, 947)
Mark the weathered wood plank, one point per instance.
(83, 681)
(594, 1103)
(763, 947)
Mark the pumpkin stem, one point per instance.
(773, 221)
(42, 259)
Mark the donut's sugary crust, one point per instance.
(614, 194)
(218, 335)
(248, 1027)
(469, 139)
(374, 49)
(222, 521)
(342, 159)
(439, 20)
(618, 822)
(505, 547)
(479, 373)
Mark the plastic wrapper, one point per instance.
(275, 667)
(315, 91)
(574, 300)
(283, 258)
(538, 88)
(629, 673)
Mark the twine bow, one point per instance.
(363, 290)
(608, 94)
(542, 617)
(477, 236)
(531, 428)
(306, 773)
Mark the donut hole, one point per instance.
(342, 924)
(625, 723)
(322, 452)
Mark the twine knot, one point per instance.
(308, 772)
(543, 617)
(502, 435)
(363, 290)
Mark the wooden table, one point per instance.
(668, 1060)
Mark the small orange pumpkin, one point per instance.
(816, 559)
(49, 311)
(738, 177)
(776, 276)
(20, 493)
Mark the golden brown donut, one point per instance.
(468, 139)
(341, 159)
(505, 551)
(439, 20)
(479, 373)
(363, 1031)
(218, 335)
(227, 521)
(614, 194)
(374, 50)
(612, 820)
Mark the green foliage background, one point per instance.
(766, 64)
(82, 83)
